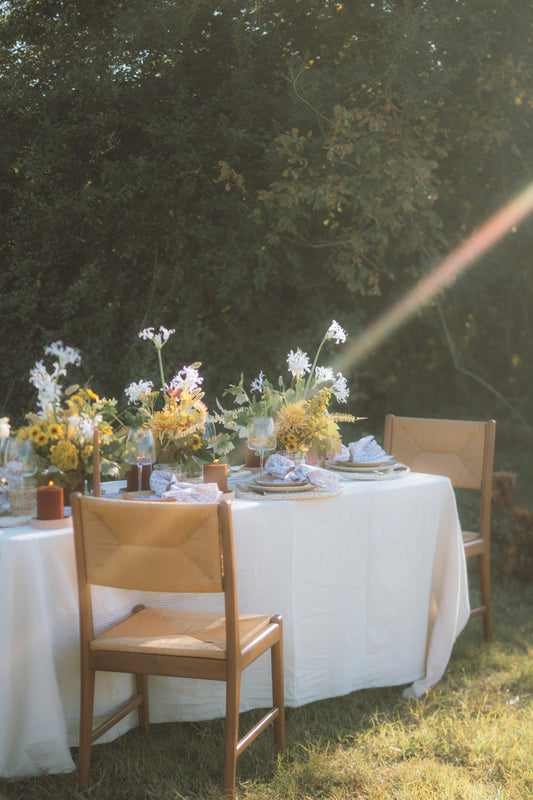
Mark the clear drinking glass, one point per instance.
(139, 450)
(262, 437)
(19, 467)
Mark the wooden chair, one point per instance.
(463, 451)
(168, 547)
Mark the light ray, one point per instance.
(441, 276)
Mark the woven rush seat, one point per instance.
(175, 632)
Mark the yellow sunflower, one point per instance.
(41, 439)
(55, 431)
(34, 432)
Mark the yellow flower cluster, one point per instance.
(306, 422)
(64, 456)
(179, 424)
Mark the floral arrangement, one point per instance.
(181, 427)
(301, 409)
(61, 431)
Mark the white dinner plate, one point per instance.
(383, 466)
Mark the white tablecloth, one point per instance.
(371, 584)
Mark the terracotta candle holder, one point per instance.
(132, 478)
(50, 501)
(250, 457)
(217, 473)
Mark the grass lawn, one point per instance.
(470, 737)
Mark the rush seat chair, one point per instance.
(168, 547)
(463, 451)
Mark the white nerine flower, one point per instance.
(298, 363)
(137, 391)
(187, 378)
(324, 374)
(48, 389)
(83, 427)
(336, 332)
(65, 355)
(257, 385)
(5, 428)
(340, 388)
(159, 339)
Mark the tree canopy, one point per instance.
(245, 175)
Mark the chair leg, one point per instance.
(484, 571)
(144, 709)
(278, 692)
(86, 727)
(233, 699)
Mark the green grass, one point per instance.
(469, 738)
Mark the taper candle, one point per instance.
(96, 464)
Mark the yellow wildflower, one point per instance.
(64, 456)
(291, 415)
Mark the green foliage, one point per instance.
(246, 175)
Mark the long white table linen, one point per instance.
(371, 583)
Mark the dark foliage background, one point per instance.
(245, 175)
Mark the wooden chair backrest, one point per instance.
(462, 450)
(150, 546)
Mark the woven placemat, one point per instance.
(242, 492)
(14, 522)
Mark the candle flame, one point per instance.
(50, 483)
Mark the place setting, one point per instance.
(366, 460)
(284, 479)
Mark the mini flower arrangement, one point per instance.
(300, 410)
(61, 431)
(180, 427)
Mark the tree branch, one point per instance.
(472, 375)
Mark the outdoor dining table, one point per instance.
(371, 581)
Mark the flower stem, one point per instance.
(161, 373)
(308, 381)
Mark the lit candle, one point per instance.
(50, 502)
(217, 473)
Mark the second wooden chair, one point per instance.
(463, 451)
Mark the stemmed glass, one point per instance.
(139, 450)
(19, 458)
(262, 437)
